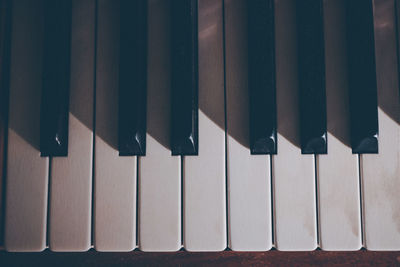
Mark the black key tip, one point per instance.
(185, 147)
(132, 146)
(316, 145)
(54, 147)
(367, 145)
(264, 146)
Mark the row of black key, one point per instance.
(184, 77)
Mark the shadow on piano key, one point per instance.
(338, 116)
(159, 76)
(337, 72)
(26, 72)
(107, 72)
(236, 73)
(388, 104)
(208, 31)
(158, 82)
(287, 95)
(386, 60)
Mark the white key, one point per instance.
(204, 175)
(381, 172)
(71, 177)
(114, 176)
(293, 173)
(159, 172)
(337, 171)
(27, 172)
(249, 180)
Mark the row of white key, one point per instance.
(161, 202)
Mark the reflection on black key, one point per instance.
(311, 66)
(262, 86)
(362, 76)
(132, 78)
(56, 78)
(184, 81)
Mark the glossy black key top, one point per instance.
(261, 76)
(184, 77)
(56, 78)
(132, 78)
(362, 76)
(311, 69)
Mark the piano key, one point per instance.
(397, 14)
(261, 72)
(184, 64)
(362, 77)
(5, 43)
(159, 194)
(56, 78)
(27, 172)
(71, 177)
(380, 173)
(248, 176)
(311, 67)
(293, 173)
(204, 191)
(132, 78)
(337, 172)
(114, 216)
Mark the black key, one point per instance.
(311, 66)
(362, 76)
(5, 47)
(397, 16)
(56, 78)
(132, 78)
(184, 80)
(261, 75)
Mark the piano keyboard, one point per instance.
(200, 124)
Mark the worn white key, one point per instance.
(159, 172)
(248, 176)
(337, 171)
(27, 172)
(380, 173)
(71, 177)
(204, 175)
(114, 176)
(293, 173)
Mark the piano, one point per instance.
(202, 125)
